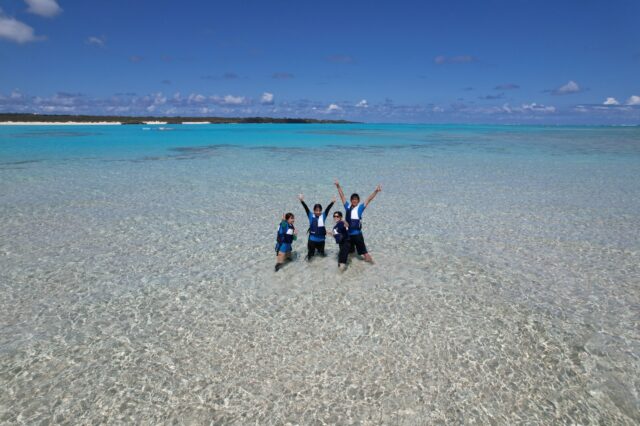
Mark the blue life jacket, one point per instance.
(285, 236)
(317, 227)
(353, 218)
(340, 232)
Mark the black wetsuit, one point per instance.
(312, 246)
(341, 234)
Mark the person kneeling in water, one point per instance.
(341, 234)
(353, 215)
(287, 233)
(317, 230)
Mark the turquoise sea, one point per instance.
(137, 283)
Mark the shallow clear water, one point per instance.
(136, 279)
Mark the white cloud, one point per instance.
(267, 98)
(159, 99)
(633, 100)
(233, 100)
(58, 109)
(363, 104)
(333, 108)
(229, 100)
(193, 98)
(534, 107)
(96, 41)
(569, 88)
(46, 8)
(611, 101)
(14, 30)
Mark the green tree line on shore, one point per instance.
(57, 118)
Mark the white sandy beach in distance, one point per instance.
(92, 123)
(57, 123)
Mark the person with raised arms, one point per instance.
(317, 229)
(353, 217)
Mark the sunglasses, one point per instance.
(335, 216)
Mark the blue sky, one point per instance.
(489, 61)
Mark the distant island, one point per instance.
(17, 118)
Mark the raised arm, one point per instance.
(328, 209)
(306, 208)
(340, 192)
(373, 195)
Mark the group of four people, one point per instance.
(347, 231)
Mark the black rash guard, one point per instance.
(326, 211)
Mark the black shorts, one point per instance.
(312, 246)
(357, 243)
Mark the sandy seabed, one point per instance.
(504, 291)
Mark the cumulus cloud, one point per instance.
(534, 107)
(159, 99)
(229, 100)
(234, 100)
(16, 94)
(633, 100)
(567, 89)
(362, 104)
(193, 98)
(508, 86)
(461, 59)
(16, 31)
(96, 41)
(235, 105)
(267, 98)
(282, 76)
(151, 102)
(611, 101)
(128, 103)
(46, 8)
